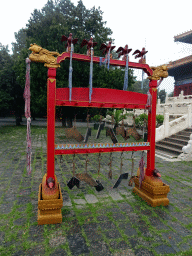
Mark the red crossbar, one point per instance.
(122, 63)
(101, 98)
(99, 150)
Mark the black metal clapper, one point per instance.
(122, 175)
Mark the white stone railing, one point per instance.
(170, 128)
(176, 105)
(187, 151)
(178, 99)
(174, 109)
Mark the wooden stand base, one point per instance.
(49, 210)
(153, 191)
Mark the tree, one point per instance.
(137, 86)
(45, 28)
(6, 80)
(171, 94)
(161, 95)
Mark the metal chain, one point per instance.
(74, 121)
(74, 165)
(88, 117)
(134, 118)
(87, 160)
(132, 158)
(121, 157)
(99, 158)
(110, 164)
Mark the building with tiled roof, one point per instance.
(181, 69)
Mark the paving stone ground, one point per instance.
(110, 222)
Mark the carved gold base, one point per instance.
(153, 191)
(48, 193)
(49, 210)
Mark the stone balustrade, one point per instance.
(170, 128)
(176, 105)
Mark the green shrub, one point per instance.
(97, 118)
(139, 120)
(159, 119)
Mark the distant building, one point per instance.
(181, 69)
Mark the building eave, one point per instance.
(185, 37)
(179, 62)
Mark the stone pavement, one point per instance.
(110, 222)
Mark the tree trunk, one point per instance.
(63, 121)
(69, 122)
(17, 120)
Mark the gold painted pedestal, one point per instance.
(49, 210)
(153, 191)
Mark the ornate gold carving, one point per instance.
(44, 56)
(159, 72)
(51, 80)
(152, 190)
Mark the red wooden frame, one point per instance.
(101, 98)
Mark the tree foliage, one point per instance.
(171, 94)
(161, 95)
(45, 28)
(6, 80)
(137, 86)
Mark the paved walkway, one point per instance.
(110, 222)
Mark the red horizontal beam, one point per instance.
(99, 150)
(101, 98)
(122, 63)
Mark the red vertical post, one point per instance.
(51, 98)
(149, 139)
(152, 128)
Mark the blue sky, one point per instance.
(137, 23)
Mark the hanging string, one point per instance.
(91, 75)
(159, 82)
(70, 73)
(126, 74)
(26, 96)
(102, 61)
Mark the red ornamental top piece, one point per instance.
(69, 40)
(50, 182)
(89, 43)
(107, 47)
(140, 54)
(123, 51)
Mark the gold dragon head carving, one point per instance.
(42, 55)
(159, 72)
